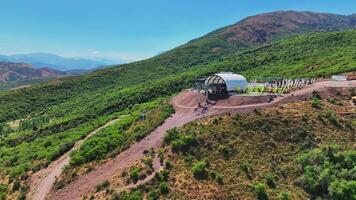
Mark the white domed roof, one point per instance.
(233, 81)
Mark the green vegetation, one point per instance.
(102, 186)
(318, 54)
(199, 170)
(271, 154)
(127, 130)
(3, 191)
(260, 190)
(329, 172)
(56, 114)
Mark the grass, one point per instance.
(271, 155)
(75, 106)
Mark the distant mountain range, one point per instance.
(23, 71)
(46, 60)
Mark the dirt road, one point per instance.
(42, 181)
(184, 114)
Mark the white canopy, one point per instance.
(232, 81)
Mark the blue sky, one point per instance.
(128, 30)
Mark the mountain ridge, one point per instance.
(47, 60)
(10, 71)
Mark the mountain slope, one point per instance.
(40, 60)
(212, 47)
(104, 91)
(80, 114)
(56, 114)
(21, 71)
(259, 29)
(294, 151)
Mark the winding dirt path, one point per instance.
(184, 114)
(42, 181)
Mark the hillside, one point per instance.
(20, 71)
(40, 123)
(212, 47)
(294, 151)
(318, 54)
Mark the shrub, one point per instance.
(260, 190)
(179, 141)
(165, 175)
(328, 173)
(270, 180)
(224, 151)
(161, 155)
(216, 176)
(316, 95)
(115, 196)
(2, 196)
(105, 184)
(199, 170)
(169, 164)
(164, 188)
(339, 190)
(136, 195)
(22, 196)
(247, 169)
(316, 103)
(284, 196)
(3, 188)
(134, 174)
(149, 162)
(153, 195)
(219, 178)
(16, 186)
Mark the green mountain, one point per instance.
(250, 32)
(105, 91)
(42, 122)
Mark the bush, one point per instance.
(153, 195)
(316, 103)
(260, 190)
(179, 141)
(2, 196)
(284, 196)
(225, 151)
(136, 195)
(328, 173)
(22, 196)
(3, 188)
(219, 178)
(16, 186)
(199, 170)
(149, 162)
(270, 180)
(247, 169)
(169, 164)
(216, 176)
(161, 155)
(164, 188)
(134, 174)
(103, 185)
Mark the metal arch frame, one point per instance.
(216, 77)
(213, 80)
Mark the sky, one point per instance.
(129, 30)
